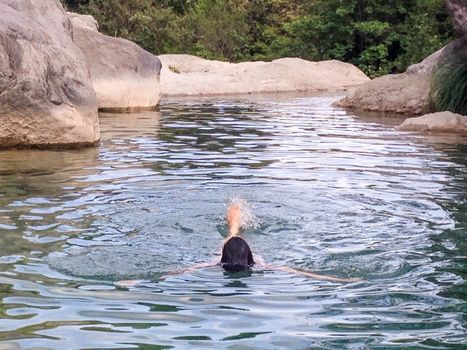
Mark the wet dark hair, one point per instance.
(236, 255)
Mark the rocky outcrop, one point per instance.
(394, 93)
(46, 95)
(409, 92)
(184, 75)
(442, 122)
(405, 93)
(125, 77)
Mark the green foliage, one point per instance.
(379, 36)
(449, 87)
(213, 29)
(141, 21)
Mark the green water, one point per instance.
(332, 193)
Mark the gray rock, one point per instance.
(441, 122)
(187, 75)
(408, 93)
(125, 77)
(46, 95)
(83, 21)
(458, 11)
(427, 65)
(48, 13)
(455, 52)
(393, 93)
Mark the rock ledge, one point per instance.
(186, 75)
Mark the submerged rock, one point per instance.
(125, 77)
(436, 122)
(46, 95)
(191, 75)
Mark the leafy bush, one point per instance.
(379, 36)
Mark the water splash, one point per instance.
(248, 220)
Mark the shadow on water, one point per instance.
(334, 193)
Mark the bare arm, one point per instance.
(314, 275)
(190, 269)
(133, 283)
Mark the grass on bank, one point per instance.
(449, 87)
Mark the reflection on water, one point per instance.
(333, 193)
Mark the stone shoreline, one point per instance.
(187, 75)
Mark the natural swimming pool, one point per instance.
(331, 192)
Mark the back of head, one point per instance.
(236, 255)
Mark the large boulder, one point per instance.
(405, 93)
(125, 77)
(441, 122)
(46, 95)
(394, 93)
(191, 75)
(409, 92)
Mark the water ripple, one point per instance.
(331, 192)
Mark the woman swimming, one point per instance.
(237, 255)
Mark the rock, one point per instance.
(405, 93)
(458, 11)
(125, 77)
(394, 93)
(437, 123)
(408, 93)
(455, 52)
(427, 65)
(49, 13)
(185, 75)
(46, 95)
(83, 21)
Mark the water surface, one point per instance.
(332, 193)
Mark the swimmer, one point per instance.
(237, 255)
